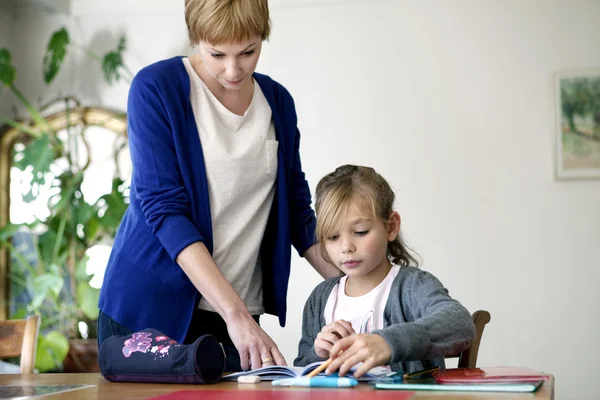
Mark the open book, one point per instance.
(279, 372)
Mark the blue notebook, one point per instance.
(521, 387)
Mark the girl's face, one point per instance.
(231, 64)
(359, 247)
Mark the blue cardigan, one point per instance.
(169, 205)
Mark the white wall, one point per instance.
(452, 102)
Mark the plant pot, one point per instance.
(82, 356)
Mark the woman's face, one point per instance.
(231, 64)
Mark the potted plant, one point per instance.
(48, 253)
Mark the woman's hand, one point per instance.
(330, 335)
(370, 349)
(256, 348)
(253, 344)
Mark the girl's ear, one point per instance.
(393, 226)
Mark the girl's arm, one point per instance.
(311, 326)
(440, 325)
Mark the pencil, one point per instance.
(320, 368)
(417, 373)
(325, 364)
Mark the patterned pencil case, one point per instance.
(151, 356)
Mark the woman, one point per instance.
(217, 195)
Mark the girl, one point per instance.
(384, 310)
(218, 196)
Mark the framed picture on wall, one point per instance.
(577, 124)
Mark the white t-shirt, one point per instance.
(365, 312)
(240, 156)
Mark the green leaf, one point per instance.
(91, 228)
(20, 313)
(69, 184)
(55, 54)
(47, 241)
(88, 300)
(114, 208)
(112, 62)
(7, 70)
(81, 274)
(43, 285)
(38, 154)
(52, 349)
(84, 213)
(8, 231)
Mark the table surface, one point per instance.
(101, 389)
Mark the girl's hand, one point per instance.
(370, 349)
(256, 348)
(330, 335)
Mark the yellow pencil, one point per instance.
(325, 364)
(320, 368)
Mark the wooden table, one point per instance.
(101, 389)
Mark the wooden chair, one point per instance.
(468, 358)
(19, 338)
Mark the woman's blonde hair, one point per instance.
(349, 185)
(226, 21)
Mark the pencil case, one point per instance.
(150, 356)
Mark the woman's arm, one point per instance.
(302, 216)
(249, 338)
(314, 256)
(156, 176)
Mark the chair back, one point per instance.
(19, 338)
(468, 357)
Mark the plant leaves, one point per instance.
(43, 285)
(46, 242)
(7, 70)
(69, 184)
(112, 62)
(8, 231)
(20, 313)
(84, 212)
(88, 300)
(38, 154)
(55, 54)
(114, 207)
(81, 274)
(91, 229)
(52, 349)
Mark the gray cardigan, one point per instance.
(421, 322)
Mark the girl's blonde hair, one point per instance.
(226, 21)
(348, 185)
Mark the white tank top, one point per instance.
(240, 156)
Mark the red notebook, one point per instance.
(488, 375)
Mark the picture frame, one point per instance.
(577, 124)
